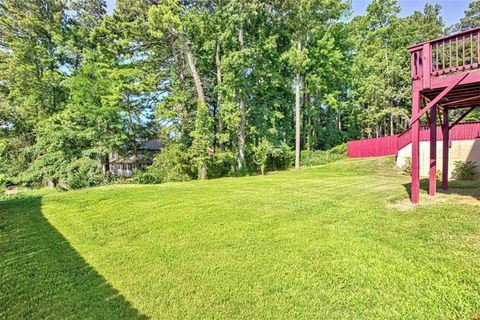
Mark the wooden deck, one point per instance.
(445, 75)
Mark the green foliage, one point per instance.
(216, 78)
(316, 158)
(201, 141)
(464, 170)
(3, 183)
(407, 167)
(261, 153)
(222, 164)
(14, 158)
(172, 164)
(83, 173)
(471, 19)
(270, 156)
(147, 177)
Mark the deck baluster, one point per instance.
(450, 50)
(478, 47)
(456, 52)
(443, 57)
(471, 50)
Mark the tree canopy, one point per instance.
(230, 87)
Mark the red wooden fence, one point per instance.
(377, 147)
(389, 146)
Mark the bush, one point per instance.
(407, 167)
(266, 155)
(320, 157)
(313, 158)
(146, 178)
(84, 172)
(281, 157)
(172, 164)
(3, 183)
(340, 150)
(261, 153)
(221, 164)
(464, 170)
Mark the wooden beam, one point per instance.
(442, 82)
(433, 152)
(452, 103)
(415, 131)
(462, 117)
(445, 151)
(442, 94)
(426, 65)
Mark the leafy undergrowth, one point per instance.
(322, 242)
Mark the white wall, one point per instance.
(464, 150)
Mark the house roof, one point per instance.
(152, 144)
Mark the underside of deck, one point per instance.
(466, 94)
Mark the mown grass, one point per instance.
(326, 242)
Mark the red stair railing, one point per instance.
(447, 55)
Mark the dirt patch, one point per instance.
(439, 198)
(11, 190)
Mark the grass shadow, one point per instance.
(43, 277)
(455, 187)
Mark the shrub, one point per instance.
(339, 150)
(146, 178)
(407, 167)
(313, 158)
(261, 153)
(320, 157)
(172, 164)
(281, 157)
(84, 172)
(464, 170)
(266, 155)
(221, 164)
(3, 183)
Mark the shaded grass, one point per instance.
(319, 243)
(43, 277)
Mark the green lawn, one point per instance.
(333, 242)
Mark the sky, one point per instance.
(452, 10)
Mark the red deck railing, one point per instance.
(447, 55)
(389, 146)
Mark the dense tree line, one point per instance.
(229, 86)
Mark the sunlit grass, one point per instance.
(325, 242)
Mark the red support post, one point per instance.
(427, 65)
(446, 137)
(433, 151)
(415, 191)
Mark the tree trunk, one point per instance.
(193, 70)
(339, 122)
(198, 88)
(297, 112)
(219, 95)
(107, 164)
(391, 124)
(241, 136)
